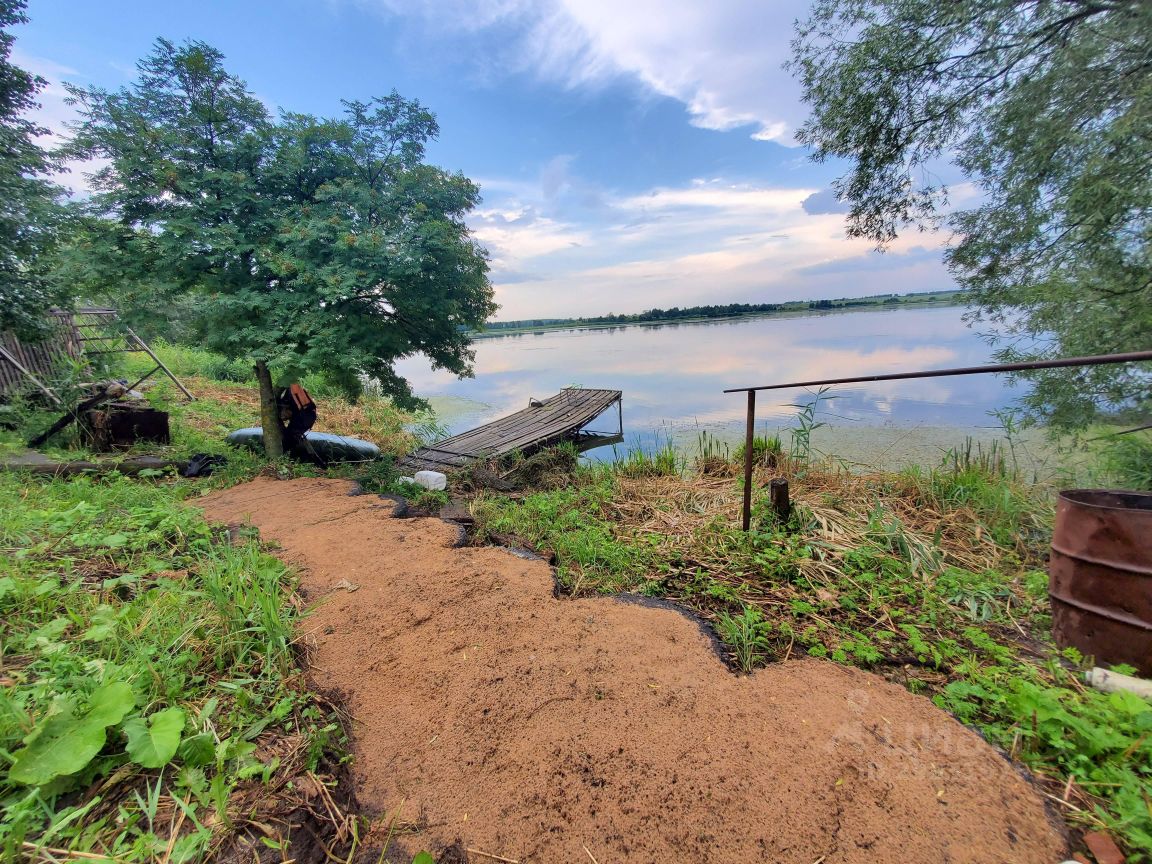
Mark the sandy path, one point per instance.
(531, 728)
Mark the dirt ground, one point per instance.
(557, 730)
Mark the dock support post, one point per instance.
(778, 492)
(749, 459)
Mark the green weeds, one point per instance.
(575, 525)
(748, 635)
(145, 671)
(806, 424)
(1100, 744)
(662, 461)
(766, 449)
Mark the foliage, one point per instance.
(1126, 460)
(29, 215)
(572, 523)
(223, 404)
(765, 448)
(1100, 742)
(310, 244)
(806, 424)
(1047, 109)
(661, 461)
(147, 661)
(747, 633)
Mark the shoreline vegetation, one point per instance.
(166, 645)
(721, 312)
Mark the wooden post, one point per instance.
(749, 459)
(778, 492)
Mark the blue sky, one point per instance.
(630, 155)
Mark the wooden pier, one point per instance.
(560, 418)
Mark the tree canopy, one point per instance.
(1045, 107)
(308, 244)
(28, 210)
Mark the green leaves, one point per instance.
(1101, 740)
(154, 742)
(63, 743)
(1046, 115)
(310, 244)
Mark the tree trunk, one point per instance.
(269, 413)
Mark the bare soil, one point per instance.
(538, 729)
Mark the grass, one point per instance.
(931, 578)
(227, 399)
(152, 705)
(150, 702)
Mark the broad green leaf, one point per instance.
(99, 632)
(198, 750)
(51, 630)
(423, 858)
(62, 743)
(111, 703)
(114, 541)
(1129, 703)
(153, 743)
(103, 624)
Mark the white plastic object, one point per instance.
(1111, 682)
(433, 480)
(407, 479)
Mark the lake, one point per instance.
(673, 377)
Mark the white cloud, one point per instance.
(513, 237)
(721, 58)
(709, 241)
(53, 114)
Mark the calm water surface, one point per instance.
(673, 375)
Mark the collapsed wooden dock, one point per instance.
(544, 424)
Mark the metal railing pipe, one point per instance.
(1095, 360)
(1063, 362)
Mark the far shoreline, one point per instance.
(793, 309)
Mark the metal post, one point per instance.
(749, 458)
(159, 365)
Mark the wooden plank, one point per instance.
(556, 419)
(536, 421)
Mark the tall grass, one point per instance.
(113, 589)
(987, 481)
(662, 461)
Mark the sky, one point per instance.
(630, 155)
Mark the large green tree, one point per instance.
(29, 214)
(309, 244)
(1045, 107)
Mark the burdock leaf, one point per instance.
(153, 743)
(62, 743)
(110, 704)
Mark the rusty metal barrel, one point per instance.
(1100, 575)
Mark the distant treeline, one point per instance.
(729, 310)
